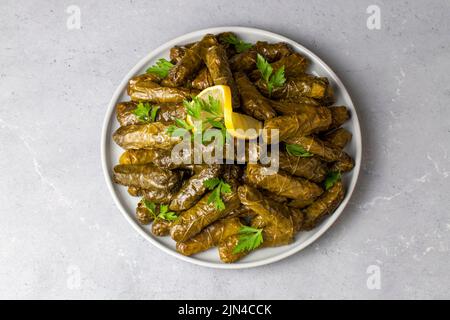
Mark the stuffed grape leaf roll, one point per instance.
(281, 183)
(209, 237)
(151, 135)
(145, 176)
(323, 206)
(253, 103)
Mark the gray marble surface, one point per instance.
(61, 235)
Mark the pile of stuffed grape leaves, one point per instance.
(233, 205)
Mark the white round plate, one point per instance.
(110, 153)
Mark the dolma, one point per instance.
(344, 164)
(151, 135)
(299, 204)
(190, 63)
(151, 91)
(209, 237)
(323, 206)
(161, 227)
(338, 138)
(134, 192)
(145, 176)
(193, 220)
(203, 80)
(162, 196)
(299, 124)
(167, 113)
(245, 61)
(286, 107)
(273, 196)
(328, 99)
(193, 189)
(145, 77)
(223, 41)
(311, 168)
(241, 212)
(281, 183)
(202, 214)
(217, 63)
(176, 53)
(294, 65)
(253, 103)
(272, 51)
(272, 216)
(159, 157)
(296, 87)
(143, 215)
(319, 148)
(226, 248)
(339, 116)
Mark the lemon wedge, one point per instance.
(238, 125)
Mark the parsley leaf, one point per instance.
(272, 80)
(150, 206)
(165, 214)
(249, 239)
(219, 187)
(239, 45)
(331, 179)
(297, 151)
(161, 68)
(142, 111)
(153, 113)
(193, 108)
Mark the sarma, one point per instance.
(324, 205)
(286, 107)
(280, 183)
(272, 51)
(319, 148)
(153, 92)
(226, 249)
(294, 65)
(339, 116)
(338, 138)
(311, 168)
(166, 113)
(296, 87)
(253, 103)
(151, 135)
(193, 189)
(203, 80)
(145, 176)
(211, 236)
(189, 63)
(161, 227)
(299, 124)
(176, 53)
(159, 157)
(272, 216)
(217, 63)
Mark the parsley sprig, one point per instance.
(161, 68)
(145, 112)
(238, 44)
(218, 187)
(297, 151)
(197, 108)
(273, 80)
(331, 179)
(164, 213)
(249, 239)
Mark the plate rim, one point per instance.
(220, 265)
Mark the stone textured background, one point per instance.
(61, 235)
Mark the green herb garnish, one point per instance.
(273, 80)
(331, 179)
(145, 112)
(165, 214)
(238, 44)
(219, 187)
(249, 239)
(297, 151)
(161, 68)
